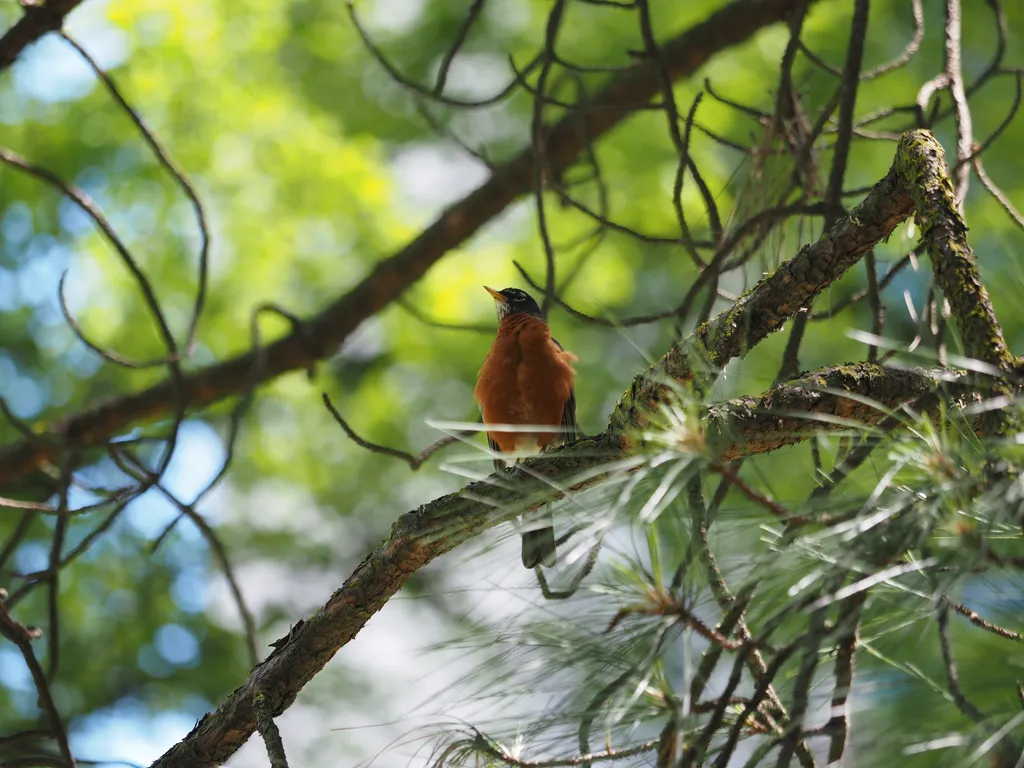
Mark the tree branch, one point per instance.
(420, 536)
(944, 233)
(40, 17)
(321, 335)
(737, 429)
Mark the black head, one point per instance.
(511, 301)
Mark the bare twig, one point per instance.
(414, 462)
(732, 478)
(176, 173)
(988, 626)
(681, 144)
(541, 168)
(89, 207)
(909, 52)
(128, 463)
(487, 748)
(952, 675)
(446, 62)
(268, 729)
(421, 316)
(434, 93)
(53, 596)
(839, 722)
(22, 637)
(954, 76)
(811, 642)
(997, 193)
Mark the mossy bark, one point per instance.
(921, 162)
(741, 427)
(735, 429)
(765, 308)
(917, 182)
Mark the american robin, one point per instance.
(527, 379)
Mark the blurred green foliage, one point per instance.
(313, 166)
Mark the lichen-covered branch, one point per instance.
(917, 181)
(836, 397)
(828, 399)
(921, 161)
(744, 427)
(765, 308)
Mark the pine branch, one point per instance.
(420, 536)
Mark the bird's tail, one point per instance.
(539, 546)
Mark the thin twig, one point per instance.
(848, 624)
(53, 596)
(22, 637)
(268, 729)
(577, 760)
(679, 141)
(997, 193)
(421, 316)
(909, 52)
(988, 626)
(811, 641)
(954, 76)
(732, 478)
(179, 176)
(948, 660)
(541, 167)
(414, 462)
(446, 62)
(431, 92)
(89, 207)
(127, 463)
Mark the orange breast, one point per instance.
(525, 380)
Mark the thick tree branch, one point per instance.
(739, 428)
(321, 335)
(743, 427)
(832, 398)
(40, 18)
(917, 180)
(944, 233)
(765, 308)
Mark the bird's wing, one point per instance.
(570, 429)
(498, 463)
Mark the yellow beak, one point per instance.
(496, 295)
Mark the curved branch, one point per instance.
(738, 428)
(40, 18)
(743, 427)
(319, 336)
(765, 308)
(921, 161)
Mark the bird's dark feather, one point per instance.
(498, 463)
(571, 430)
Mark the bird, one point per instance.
(527, 378)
